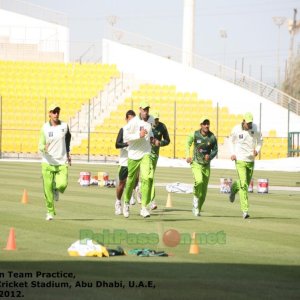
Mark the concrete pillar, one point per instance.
(188, 32)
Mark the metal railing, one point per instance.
(294, 144)
(99, 144)
(35, 11)
(213, 68)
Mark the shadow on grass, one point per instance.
(172, 220)
(149, 278)
(248, 219)
(215, 216)
(78, 219)
(274, 218)
(173, 209)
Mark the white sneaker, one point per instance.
(153, 205)
(56, 194)
(195, 201)
(118, 207)
(144, 212)
(196, 212)
(49, 217)
(126, 210)
(246, 215)
(132, 200)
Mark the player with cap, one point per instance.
(54, 144)
(143, 115)
(245, 144)
(139, 136)
(161, 139)
(205, 149)
(123, 161)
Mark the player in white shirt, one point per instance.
(138, 134)
(246, 142)
(54, 144)
(123, 161)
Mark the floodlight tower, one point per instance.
(188, 32)
(112, 20)
(278, 21)
(223, 35)
(294, 28)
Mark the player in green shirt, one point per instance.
(161, 139)
(205, 149)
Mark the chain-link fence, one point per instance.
(94, 131)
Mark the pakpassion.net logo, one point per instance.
(171, 237)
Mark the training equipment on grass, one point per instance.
(263, 186)
(84, 178)
(178, 187)
(225, 185)
(147, 252)
(87, 247)
(169, 201)
(194, 247)
(25, 197)
(103, 178)
(11, 241)
(119, 251)
(110, 183)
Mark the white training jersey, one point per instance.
(55, 138)
(151, 120)
(123, 157)
(244, 142)
(137, 147)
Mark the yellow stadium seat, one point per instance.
(25, 86)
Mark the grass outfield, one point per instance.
(260, 259)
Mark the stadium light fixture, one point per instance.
(112, 20)
(278, 21)
(294, 28)
(223, 35)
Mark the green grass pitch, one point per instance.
(259, 260)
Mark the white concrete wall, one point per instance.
(159, 70)
(23, 29)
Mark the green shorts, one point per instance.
(123, 173)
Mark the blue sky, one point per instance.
(252, 36)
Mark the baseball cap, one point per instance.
(248, 117)
(155, 114)
(205, 118)
(144, 104)
(53, 107)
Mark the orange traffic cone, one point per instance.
(169, 201)
(25, 197)
(194, 248)
(11, 241)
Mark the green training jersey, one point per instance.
(160, 133)
(202, 145)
